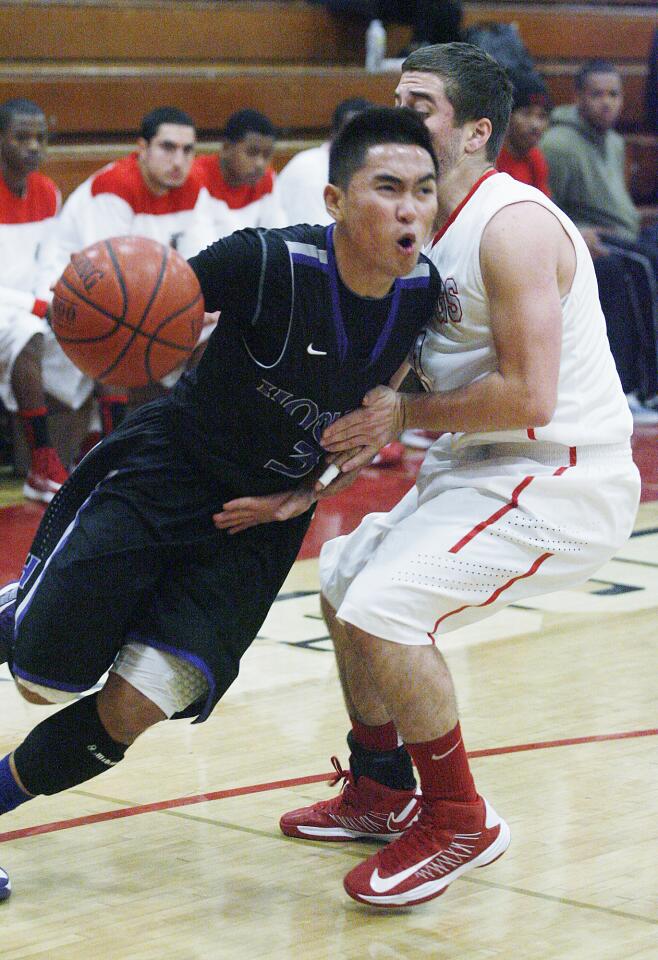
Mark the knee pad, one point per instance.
(66, 749)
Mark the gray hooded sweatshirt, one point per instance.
(586, 174)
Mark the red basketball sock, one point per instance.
(113, 410)
(35, 427)
(443, 768)
(383, 737)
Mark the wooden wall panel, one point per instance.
(95, 104)
(288, 32)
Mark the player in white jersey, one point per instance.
(29, 202)
(153, 192)
(529, 490)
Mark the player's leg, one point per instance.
(451, 563)
(76, 744)
(378, 795)
(21, 390)
(378, 799)
(79, 593)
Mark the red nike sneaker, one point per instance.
(447, 840)
(47, 474)
(363, 809)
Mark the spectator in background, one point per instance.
(520, 155)
(29, 203)
(240, 179)
(432, 21)
(587, 179)
(300, 185)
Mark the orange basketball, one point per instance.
(127, 311)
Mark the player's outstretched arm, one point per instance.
(245, 512)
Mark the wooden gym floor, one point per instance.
(176, 853)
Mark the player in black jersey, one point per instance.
(127, 571)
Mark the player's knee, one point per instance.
(40, 695)
(126, 712)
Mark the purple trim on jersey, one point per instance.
(384, 336)
(184, 655)
(308, 261)
(46, 682)
(410, 283)
(341, 335)
(24, 605)
(339, 327)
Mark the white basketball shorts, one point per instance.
(493, 526)
(17, 327)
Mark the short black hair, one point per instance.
(344, 109)
(475, 84)
(370, 128)
(590, 67)
(155, 118)
(244, 122)
(18, 106)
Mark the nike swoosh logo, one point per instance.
(384, 884)
(315, 353)
(394, 821)
(447, 753)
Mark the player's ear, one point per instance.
(478, 134)
(142, 145)
(333, 201)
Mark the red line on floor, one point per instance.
(282, 784)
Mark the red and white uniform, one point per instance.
(115, 202)
(495, 517)
(235, 208)
(25, 223)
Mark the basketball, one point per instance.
(127, 311)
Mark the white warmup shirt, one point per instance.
(301, 184)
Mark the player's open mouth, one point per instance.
(407, 242)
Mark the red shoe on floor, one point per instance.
(447, 840)
(390, 455)
(362, 810)
(46, 476)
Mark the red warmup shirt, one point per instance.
(235, 198)
(532, 169)
(25, 223)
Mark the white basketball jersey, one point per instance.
(459, 347)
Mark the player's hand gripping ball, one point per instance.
(127, 311)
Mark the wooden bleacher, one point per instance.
(96, 66)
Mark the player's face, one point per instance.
(23, 144)
(425, 93)
(526, 126)
(166, 159)
(601, 100)
(247, 160)
(386, 213)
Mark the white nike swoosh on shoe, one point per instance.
(315, 353)
(394, 821)
(384, 884)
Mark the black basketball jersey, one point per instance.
(293, 350)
